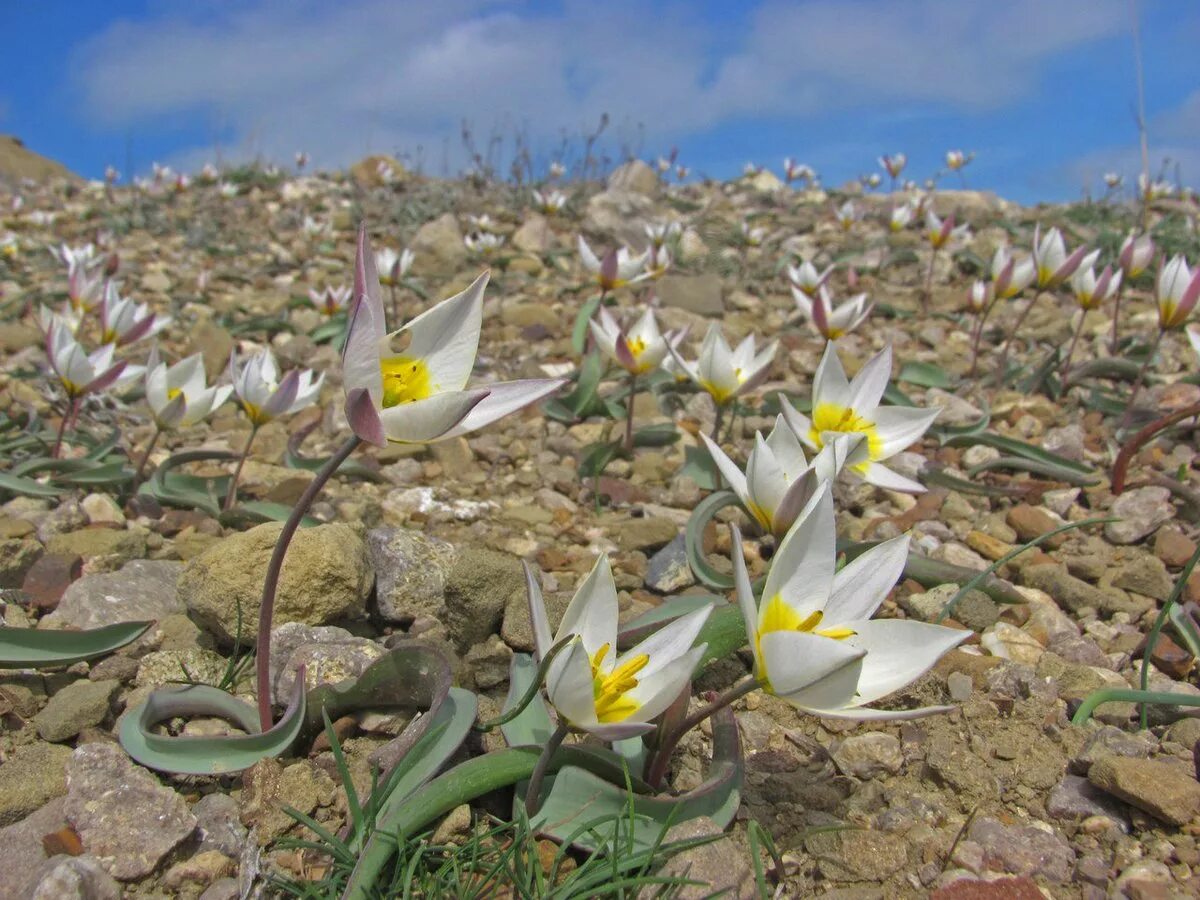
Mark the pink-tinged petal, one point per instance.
(829, 383)
(609, 268)
(864, 583)
(866, 714)
(798, 495)
(284, 396)
(105, 379)
(1188, 301)
(570, 688)
(542, 636)
(360, 357)
(623, 354)
(171, 415)
(504, 398)
(363, 416)
(422, 421)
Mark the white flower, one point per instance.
(832, 323)
(660, 232)
(873, 180)
(753, 235)
(550, 202)
(1137, 252)
(9, 245)
(894, 164)
(483, 242)
(1051, 263)
(609, 695)
(779, 480)
(726, 373)
(617, 269)
(902, 216)
(1090, 292)
(122, 322)
(331, 300)
(178, 395)
(67, 318)
(263, 395)
(812, 635)
(78, 371)
(639, 350)
(1113, 180)
(1176, 292)
(840, 406)
(956, 159)
(806, 279)
(847, 214)
(419, 394)
(1010, 276)
(557, 169)
(392, 266)
(483, 222)
(227, 189)
(979, 298)
(940, 232)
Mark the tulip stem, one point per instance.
(1066, 367)
(1141, 378)
(538, 775)
(266, 608)
(1012, 334)
(629, 412)
(67, 416)
(980, 321)
(141, 468)
(231, 497)
(716, 702)
(718, 418)
(395, 303)
(1115, 337)
(927, 294)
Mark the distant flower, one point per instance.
(210, 172)
(78, 371)
(83, 256)
(331, 300)
(902, 216)
(661, 232)
(779, 480)
(726, 373)
(940, 232)
(301, 159)
(385, 172)
(483, 222)
(979, 297)
(617, 269)
(178, 395)
(663, 164)
(182, 183)
(1154, 189)
(753, 235)
(840, 406)
(832, 323)
(9, 246)
(123, 322)
(1113, 180)
(638, 350)
(814, 642)
(111, 175)
(682, 172)
(1137, 253)
(796, 171)
(84, 288)
(593, 687)
(956, 159)
(228, 189)
(315, 228)
(750, 169)
(263, 395)
(550, 202)
(65, 318)
(557, 169)
(484, 242)
(420, 394)
(806, 279)
(393, 266)
(1091, 292)
(847, 214)
(1051, 263)
(1176, 292)
(872, 180)
(893, 164)
(161, 173)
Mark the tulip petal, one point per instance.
(537, 612)
(801, 573)
(799, 661)
(729, 471)
(899, 651)
(829, 382)
(669, 643)
(789, 452)
(363, 416)
(368, 326)
(446, 337)
(427, 420)
(800, 424)
(745, 592)
(570, 686)
(592, 612)
(654, 695)
(899, 427)
(872, 380)
(862, 585)
(867, 714)
(503, 398)
(883, 477)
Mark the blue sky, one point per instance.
(1042, 90)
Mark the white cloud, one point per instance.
(376, 74)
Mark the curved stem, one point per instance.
(231, 497)
(629, 412)
(1129, 695)
(534, 791)
(141, 469)
(981, 320)
(266, 607)
(666, 747)
(1114, 338)
(1141, 377)
(1012, 334)
(1066, 367)
(1159, 621)
(1121, 465)
(927, 294)
(67, 416)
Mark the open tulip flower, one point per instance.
(956, 159)
(178, 395)
(940, 232)
(901, 216)
(331, 300)
(1091, 292)
(779, 480)
(847, 214)
(727, 373)
(392, 266)
(1176, 293)
(593, 688)
(419, 394)
(979, 297)
(550, 202)
(753, 235)
(122, 322)
(814, 642)
(659, 233)
(66, 318)
(840, 406)
(829, 322)
(894, 164)
(1010, 276)
(78, 371)
(1137, 253)
(483, 242)
(263, 395)
(617, 269)
(85, 288)
(639, 350)
(806, 279)
(1052, 265)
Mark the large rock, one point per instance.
(618, 214)
(142, 590)
(326, 577)
(22, 853)
(1140, 512)
(31, 776)
(699, 294)
(410, 573)
(479, 586)
(102, 549)
(369, 171)
(79, 705)
(123, 816)
(75, 878)
(534, 235)
(637, 177)
(438, 246)
(1165, 791)
(18, 162)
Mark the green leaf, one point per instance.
(893, 395)
(941, 478)
(110, 473)
(654, 618)
(253, 512)
(579, 333)
(662, 434)
(704, 513)
(31, 648)
(532, 727)
(698, 466)
(925, 374)
(591, 371)
(27, 486)
(190, 491)
(1013, 447)
(724, 632)
(946, 433)
(1036, 466)
(594, 458)
(217, 755)
(294, 459)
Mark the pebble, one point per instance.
(1165, 791)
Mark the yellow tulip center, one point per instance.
(720, 394)
(778, 616)
(404, 380)
(844, 420)
(610, 689)
(172, 393)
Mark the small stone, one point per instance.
(1172, 547)
(17, 557)
(866, 756)
(218, 825)
(646, 534)
(102, 549)
(1023, 850)
(124, 817)
(479, 586)
(1163, 790)
(1031, 522)
(1144, 574)
(1170, 658)
(1074, 593)
(48, 578)
(79, 705)
(992, 889)
(142, 590)
(858, 855)
(1007, 641)
(76, 878)
(200, 871)
(455, 828)
(699, 294)
(1075, 798)
(1140, 512)
(1112, 741)
(32, 775)
(410, 573)
(960, 686)
(668, 571)
(269, 785)
(489, 663)
(23, 849)
(102, 509)
(180, 666)
(721, 867)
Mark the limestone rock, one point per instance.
(410, 573)
(141, 590)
